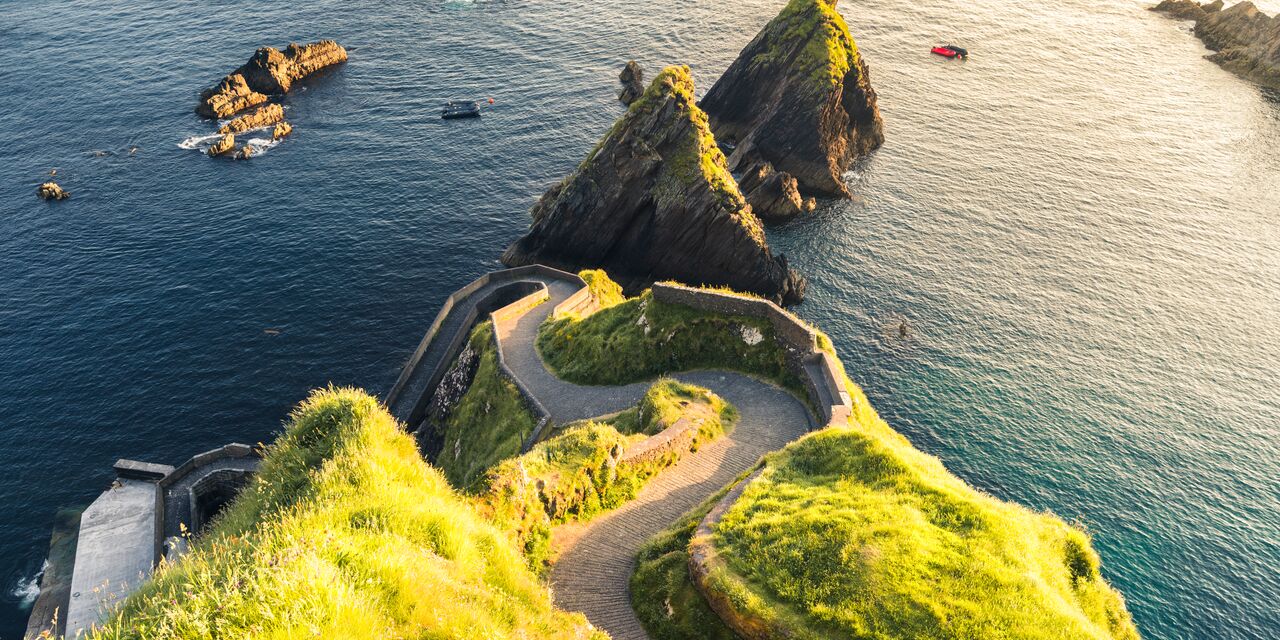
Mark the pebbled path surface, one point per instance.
(593, 572)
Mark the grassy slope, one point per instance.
(346, 533)
(491, 421)
(642, 338)
(575, 468)
(829, 51)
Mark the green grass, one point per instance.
(605, 292)
(829, 50)
(346, 533)
(642, 338)
(490, 423)
(853, 533)
(576, 474)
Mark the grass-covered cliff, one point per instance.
(346, 533)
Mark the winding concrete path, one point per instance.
(593, 571)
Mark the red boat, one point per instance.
(950, 51)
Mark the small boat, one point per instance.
(950, 51)
(453, 110)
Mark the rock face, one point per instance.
(774, 196)
(655, 201)
(273, 71)
(261, 117)
(268, 71)
(799, 97)
(1246, 41)
(224, 144)
(632, 79)
(51, 191)
(228, 97)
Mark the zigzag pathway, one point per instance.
(593, 572)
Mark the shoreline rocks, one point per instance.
(281, 130)
(262, 117)
(224, 145)
(51, 191)
(632, 79)
(269, 71)
(228, 97)
(799, 97)
(1246, 41)
(655, 201)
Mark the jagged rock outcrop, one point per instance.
(1246, 40)
(655, 201)
(228, 97)
(273, 71)
(268, 71)
(51, 191)
(799, 96)
(283, 129)
(245, 152)
(224, 145)
(774, 196)
(260, 117)
(632, 79)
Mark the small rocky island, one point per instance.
(269, 72)
(655, 201)
(797, 102)
(1246, 40)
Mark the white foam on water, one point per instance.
(199, 142)
(27, 589)
(261, 145)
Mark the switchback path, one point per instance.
(593, 572)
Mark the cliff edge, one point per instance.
(1246, 40)
(799, 97)
(655, 201)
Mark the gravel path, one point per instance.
(593, 571)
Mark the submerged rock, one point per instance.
(262, 117)
(245, 152)
(632, 79)
(283, 129)
(774, 196)
(799, 96)
(51, 191)
(1246, 40)
(273, 71)
(223, 145)
(228, 97)
(655, 201)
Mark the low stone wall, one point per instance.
(674, 439)
(816, 368)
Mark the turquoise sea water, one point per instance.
(1080, 224)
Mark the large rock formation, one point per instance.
(654, 201)
(1246, 41)
(799, 97)
(632, 79)
(261, 117)
(268, 71)
(774, 196)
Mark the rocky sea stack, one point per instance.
(798, 97)
(655, 201)
(269, 71)
(632, 79)
(1246, 40)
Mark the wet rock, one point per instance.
(774, 196)
(228, 97)
(281, 130)
(51, 191)
(224, 145)
(273, 71)
(1246, 41)
(261, 117)
(245, 152)
(799, 96)
(632, 79)
(655, 201)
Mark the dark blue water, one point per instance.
(1080, 223)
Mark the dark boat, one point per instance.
(453, 110)
(950, 51)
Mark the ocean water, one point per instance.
(1081, 225)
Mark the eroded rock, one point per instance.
(1246, 41)
(51, 191)
(655, 201)
(273, 71)
(261, 117)
(774, 196)
(798, 96)
(281, 130)
(228, 97)
(632, 79)
(224, 145)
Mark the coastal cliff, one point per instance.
(655, 201)
(1246, 40)
(799, 97)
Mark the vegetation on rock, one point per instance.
(346, 533)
